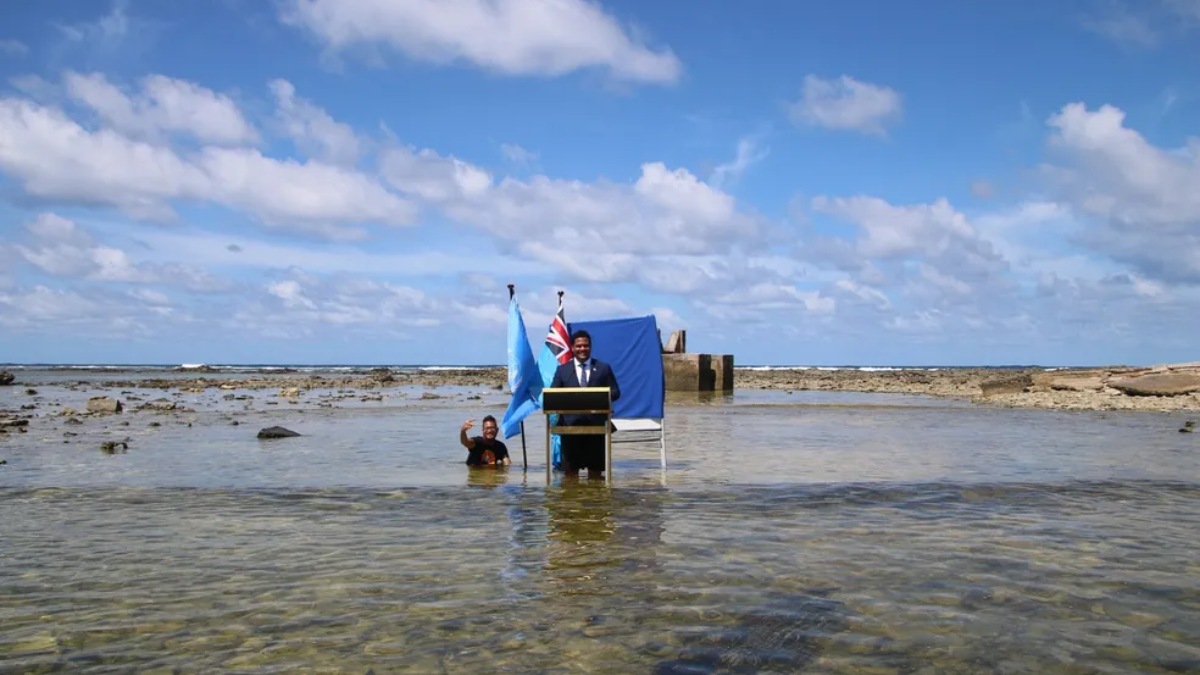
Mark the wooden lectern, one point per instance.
(579, 401)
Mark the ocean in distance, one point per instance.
(824, 532)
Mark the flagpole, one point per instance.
(512, 290)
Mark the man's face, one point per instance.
(582, 348)
(490, 429)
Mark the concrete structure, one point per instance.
(698, 372)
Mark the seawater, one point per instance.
(816, 532)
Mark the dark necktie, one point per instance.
(583, 370)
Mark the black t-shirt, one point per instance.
(475, 454)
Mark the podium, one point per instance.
(579, 401)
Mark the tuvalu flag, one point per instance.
(524, 379)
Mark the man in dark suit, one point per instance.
(584, 451)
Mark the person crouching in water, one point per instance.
(484, 450)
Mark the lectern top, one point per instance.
(580, 400)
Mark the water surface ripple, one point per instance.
(907, 537)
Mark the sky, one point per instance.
(861, 182)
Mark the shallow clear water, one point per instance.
(791, 533)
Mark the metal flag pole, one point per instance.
(524, 456)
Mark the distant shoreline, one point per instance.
(361, 367)
(1027, 387)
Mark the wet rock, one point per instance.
(429, 396)
(382, 375)
(104, 404)
(31, 392)
(73, 421)
(113, 447)
(785, 634)
(1164, 384)
(289, 392)
(976, 598)
(161, 404)
(599, 631)
(6, 378)
(276, 432)
(41, 643)
(680, 667)
(1131, 616)
(1188, 427)
(1006, 385)
(13, 423)
(1077, 383)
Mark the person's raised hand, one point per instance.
(467, 425)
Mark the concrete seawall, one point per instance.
(698, 372)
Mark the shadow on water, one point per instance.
(784, 634)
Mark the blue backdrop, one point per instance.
(632, 348)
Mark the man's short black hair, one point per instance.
(491, 419)
(581, 334)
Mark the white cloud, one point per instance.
(517, 155)
(163, 105)
(88, 314)
(921, 322)
(863, 292)
(664, 211)
(365, 306)
(311, 196)
(52, 156)
(14, 48)
(105, 32)
(924, 230)
(1143, 25)
(433, 178)
(1122, 26)
(150, 296)
(513, 37)
(775, 296)
(61, 248)
(846, 104)
(683, 195)
(290, 292)
(43, 304)
(213, 249)
(748, 153)
(312, 129)
(1143, 199)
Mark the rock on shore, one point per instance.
(1160, 388)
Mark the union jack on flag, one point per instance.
(555, 352)
(557, 340)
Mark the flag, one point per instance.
(555, 352)
(524, 380)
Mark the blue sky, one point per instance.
(356, 181)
